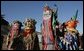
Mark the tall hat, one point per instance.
(46, 7)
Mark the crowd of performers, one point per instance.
(55, 36)
(18, 39)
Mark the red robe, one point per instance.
(47, 32)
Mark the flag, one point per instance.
(75, 17)
(54, 15)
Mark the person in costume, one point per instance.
(14, 37)
(30, 36)
(4, 32)
(48, 29)
(71, 29)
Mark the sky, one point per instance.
(20, 10)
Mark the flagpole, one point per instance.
(56, 44)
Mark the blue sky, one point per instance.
(20, 10)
